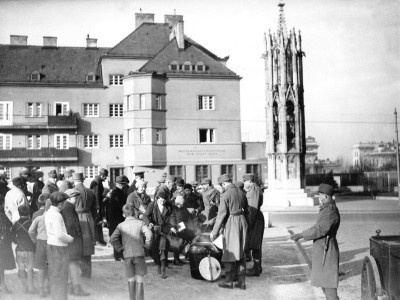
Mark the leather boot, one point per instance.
(79, 292)
(177, 260)
(163, 267)
(256, 270)
(139, 291)
(132, 290)
(228, 282)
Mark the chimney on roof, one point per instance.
(178, 33)
(91, 43)
(19, 40)
(172, 19)
(50, 41)
(143, 18)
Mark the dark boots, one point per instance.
(163, 267)
(228, 282)
(256, 270)
(177, 260)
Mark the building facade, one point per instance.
(374, 155)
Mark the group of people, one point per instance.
(57, 229)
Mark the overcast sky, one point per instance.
(351, 68)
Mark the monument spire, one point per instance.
(281, 20)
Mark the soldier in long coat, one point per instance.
(115, 216)
(325, 251)
(233, 215)
(86, 208)
(255, 198)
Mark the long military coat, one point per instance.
(325, 271)
(256, 218)
(233, 213)
(86, 208)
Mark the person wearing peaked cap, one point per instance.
(240, 185)
(255, 233)
(72, 225)
(139, 175)
(210, 198)
(114, 215)
(87, 210)
(57, 250)
(68, 182)
(325, 250)
(98, 189)
(51, 186)
(233, 216)
(15, 197)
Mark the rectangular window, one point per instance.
(116, 110)
(142, 136)
(91, 171)
(116, 141)
(34, 142)
(255, 169)
(206, 102)
(91, 110)
(158, 136)
(61, 141)
(158, 102)
(116, 79)
(61, 108)
(230, 170)
(142, 101)
(6, 111)
(206, 136)
(34, 109)
(91, 141)
(176, 171)
(202, 172)
(5, 141)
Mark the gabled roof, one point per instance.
(192, 53)
(63, 65)
(147, 40)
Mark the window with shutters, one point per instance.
(34, 142)
(34, 109)
(206, 102)
(91, 110)
(206, 136)
(6, 112)
(116, 110)
(61, 141)
(91, 141)
(61, 108)
(5, 141)
(116, 141)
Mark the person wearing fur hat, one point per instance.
(51, 186)
(255, 232)
(233, 216)
(36, 191)
(14, 198)
(325, 250)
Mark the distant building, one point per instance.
(373, 155)
(315, 165)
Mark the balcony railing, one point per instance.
(44, 154)
(26, 122)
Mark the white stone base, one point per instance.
(286, 198)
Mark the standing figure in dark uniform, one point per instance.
(97, 187)
(325, 256)
(115, 216)
(37, 190)
(86, 208)
(233, 214)
(255, 232)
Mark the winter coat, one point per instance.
(86, 208)
(256, 218)
(140, 203)
(4, 187)
(72, 224)
(97, 188)
(211, 200)
(325, 271)
(36, 191)
(7, 261)
(233, 214)
(117, 201)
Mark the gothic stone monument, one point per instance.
(286, 145)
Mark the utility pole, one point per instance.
(397, 155)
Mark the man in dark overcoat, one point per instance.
(86, 208)
(115, 216)
(51, 186)
(75, 248)
(233, 215)
(36, 191)
(325, 251)
(255, 232)
(97, 187)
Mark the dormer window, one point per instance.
(90, 77)
(35, 76)
(187, 66)
(200, 67)
(174, 66)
